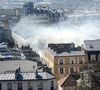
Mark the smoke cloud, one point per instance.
(74, 29)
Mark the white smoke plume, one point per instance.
(72, 30)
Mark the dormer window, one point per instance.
(91, 46)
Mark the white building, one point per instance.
(26, 76)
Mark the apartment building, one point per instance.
(25, 75)
(64, 59)
(92, 48)
(27, 81)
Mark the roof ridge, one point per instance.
(66, 78)
(62, 80)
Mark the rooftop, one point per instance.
(64, 49)
(71, 53)
(69, 80)
(92, 45)
(27, 76)
(11, 65)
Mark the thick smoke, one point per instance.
(76, 29)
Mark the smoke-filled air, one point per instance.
(73, 29)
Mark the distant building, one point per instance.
(64, 59)
(6, 34)
(43, 14)
(29, 53)
(28, 8)
(69, 82)
(92, 48)
(25, 77)
(11, 54)
(11, 12)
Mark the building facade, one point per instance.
(6, 34)
(43, 14)
(27, 81)
(25, 75)
(28, 52)
(64, 59)
(92, 48)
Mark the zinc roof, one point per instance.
(27, 76)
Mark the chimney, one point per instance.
(37, 76)
(36, 73)
(18, 75)
(17, 72)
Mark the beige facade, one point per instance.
(62, 65)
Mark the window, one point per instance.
(9, 86)
(61, 70)
(80, 60)
(99, 58)
(80, 69)
(72, 60)
(30, 86)
(61, 61)
(72, 70)
(0, 86)
(93, 58)
(52, 85)
(40, 85)
(19, 86)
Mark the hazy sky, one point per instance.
(72, 30)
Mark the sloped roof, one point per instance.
(92, 45)
(61, 81)
(27, 76)
(69, 80)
